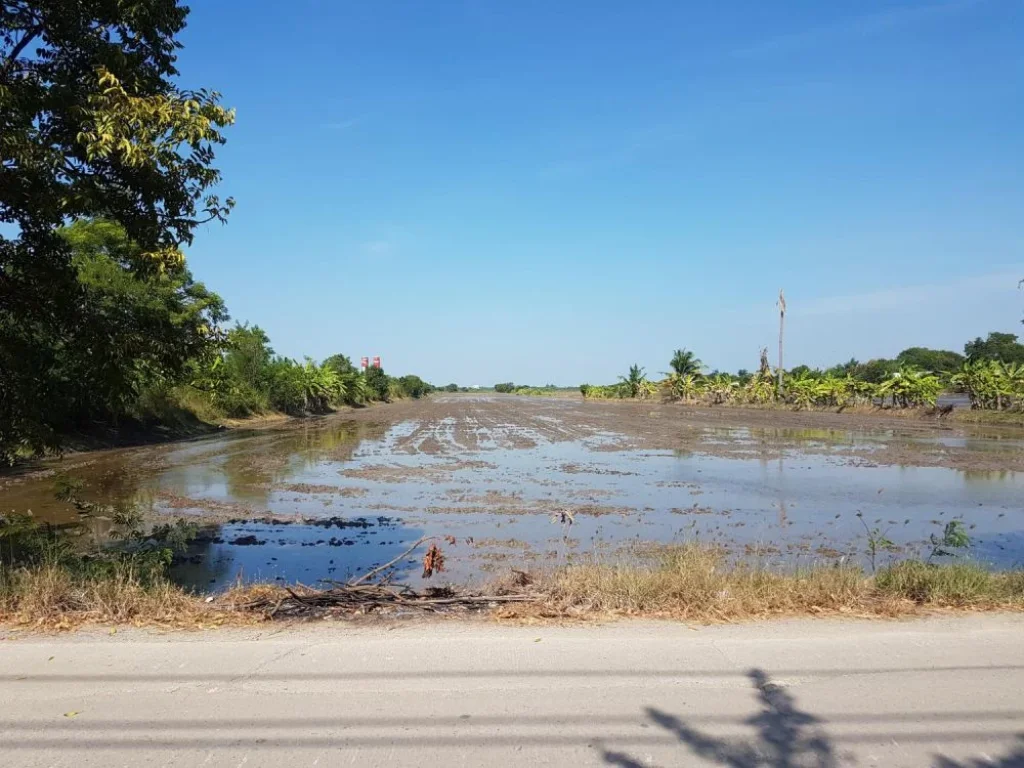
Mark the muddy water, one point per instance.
(325, 499)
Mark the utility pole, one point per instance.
(782, 326)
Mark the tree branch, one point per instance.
(33, 33)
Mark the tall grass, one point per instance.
(53, 595)
(693, 581)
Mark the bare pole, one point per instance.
(782, 327)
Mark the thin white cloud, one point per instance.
(909, 296)
(872, 23)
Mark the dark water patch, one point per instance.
(249, 552)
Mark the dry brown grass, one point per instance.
(690, 582)
(695, 582)
(52, 597)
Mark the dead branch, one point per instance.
(358, 595)
(390, 563)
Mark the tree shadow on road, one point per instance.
(1014, 759)
(786, 737)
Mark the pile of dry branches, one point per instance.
(360, 595)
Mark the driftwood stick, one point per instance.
(387, 565)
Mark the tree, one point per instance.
(998, 346)
(92, 125)
(941, 361)
(378, 383)
(635, 382)
(414, 386)
(875, 371)
(843, 369)
(451, 388)
(505, 387)
(341, 364)
(684, 362)
(143, 331)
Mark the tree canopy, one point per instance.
(997, 346)
(92, 125)
(685, 362)
(934, 360)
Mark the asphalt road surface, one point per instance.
(942, 692)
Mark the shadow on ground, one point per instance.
(785, 737)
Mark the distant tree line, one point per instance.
(990, 373)
(155, 350)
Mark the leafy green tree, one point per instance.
(451, 388)
(505, 387)
(803, 371)
(684, 362)
(940, 361)
(875, 371)
(843, 369)
(413, 386)
(145, 330)
(92, 125)
(997, 346)
(341, 364)
(378, 383)
(249, 355)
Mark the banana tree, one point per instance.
(909, 387)
(721, 388)
(685, 387)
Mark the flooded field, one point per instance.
(523, 482)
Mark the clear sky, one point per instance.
(540, 191)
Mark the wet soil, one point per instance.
(513, 481)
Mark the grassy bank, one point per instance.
(687, 582)
(695, 582)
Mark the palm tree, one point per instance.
(684, 362)
(635, 382)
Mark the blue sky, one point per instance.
(547, 192)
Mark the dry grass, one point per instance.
(690, 582)
(53, 597)
(695, 582)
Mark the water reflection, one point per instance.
(244, 552)
(736, 489)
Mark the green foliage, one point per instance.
(958, 584)
(93, 125)
(954, 537)
(636, 383)
(938, 361)
(991, 384)
(143, 332)
(505, 387)
(453, 387)
(878, 541)
(684, 362)
(341, 364)
(908, 388)
(412, 386)
(378, 384)
(849, 368)
(875, 371)
(1003, 347)
(26, 543)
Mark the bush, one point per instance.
(955, 584)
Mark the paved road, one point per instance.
(944, 692)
